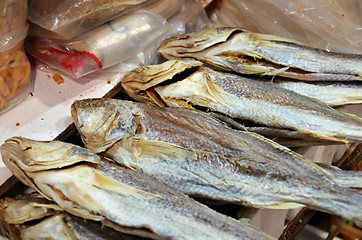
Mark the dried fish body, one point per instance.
(187, 84)
(202, 157)
(52, 221)
(235, 49)
(332, 94)
(121, 198)
(285, 137)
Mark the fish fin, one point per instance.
(324, 136)
(275, 72)
(215, 91)
(163, 150)
(286, 205)
(107, 183)
(79, 198)
(352, 116)
(273, 38)
(48, 206)
(155, 98)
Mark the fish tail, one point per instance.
(347, 204)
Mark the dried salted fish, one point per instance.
(190, 85)
(34, 217)
(202, 157)
(330, 93)
(235, 49)
(286, 137)
(127, 200)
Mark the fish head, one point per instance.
(26, 208)
(139, 83)
(103, 122)
(23, 156)
(187, 45)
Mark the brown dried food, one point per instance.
(14, 72)
(58, 78)
(14, 64)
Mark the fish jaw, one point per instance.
(102, 123)
(139, 81)
(23, 156)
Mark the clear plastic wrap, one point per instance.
(15, 84)
(135, 34)
(104, 46)
(332, 25)
(67, 19)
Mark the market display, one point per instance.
(216, 114)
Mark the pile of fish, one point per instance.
(204, 126)
(94, 188)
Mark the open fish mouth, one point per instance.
(23, 156)
(26, 154)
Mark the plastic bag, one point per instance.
(137, 33)
(15, 84)
(334, 25)
(104, 46)
(67, 19)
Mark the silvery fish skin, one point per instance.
(330, 93)
(202, 157)
(189, 85)
(124, 199)
(235, 49)
(17, 216)
(286, 137)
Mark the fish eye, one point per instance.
(96, 103)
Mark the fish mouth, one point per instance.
(12, 157)
(140, 84)
(33, 156)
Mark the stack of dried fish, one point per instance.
(202, 157)
(151, 156)
(34, 217)
(285, 110)
(85, 185)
